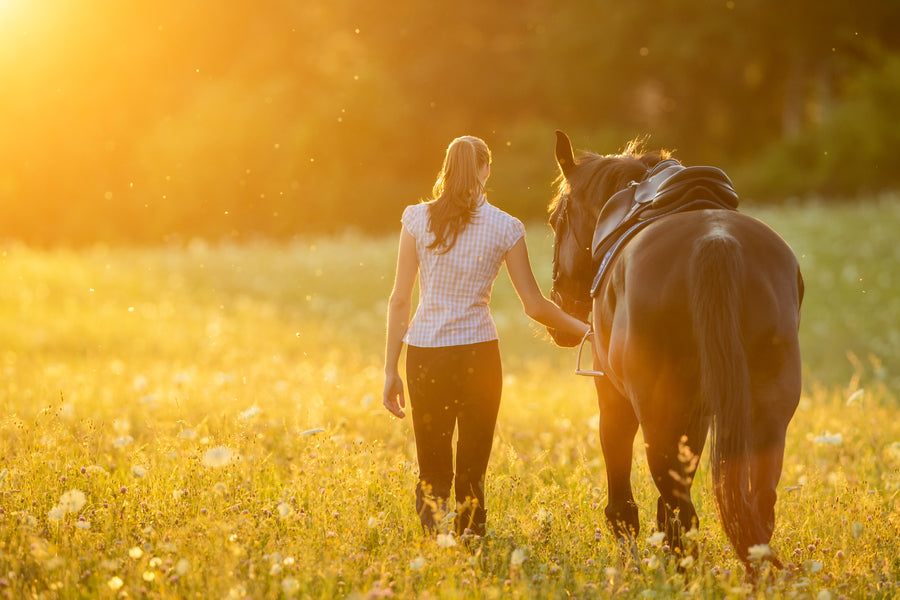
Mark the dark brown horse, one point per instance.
(696, 329)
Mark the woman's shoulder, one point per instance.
(414, 212)
(415, 218)
(502, 217)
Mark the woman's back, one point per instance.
(456, 284)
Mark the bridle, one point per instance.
(564, 228)
(582, 307)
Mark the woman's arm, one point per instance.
(535, 304)
(399, 307)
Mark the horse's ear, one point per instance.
(565, 157)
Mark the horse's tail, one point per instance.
(717, 273)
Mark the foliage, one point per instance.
(170, 121)
(842, 158)
(204, 421)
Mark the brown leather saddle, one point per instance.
(668, 188)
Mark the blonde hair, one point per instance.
(456, 190)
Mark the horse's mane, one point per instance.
(600, 176)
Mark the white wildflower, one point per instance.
(115, 583)
(445, 540)
(417, 563)
(834, 439)
(182, 566)
(122, 441)
(517, 558)
(656, 538)
(56, 513)
(290, 585)
(284, 510)
(72, 501)
(893, 451)
(249, 413)
(138, 471)
(813, 566)
(219, 456)
(759, 552)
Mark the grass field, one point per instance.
(205, 422)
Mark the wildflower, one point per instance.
(284, 510)
(135, 553)
(417, 563)
(182, 566)
(187, 434)
(122, 441)
(56, 513)
(759, 552)
(138, 471)
(249, 413)
(220, 488)
(517, 558)
(445, 540)
(219, 456)
(893, 451)
(290, 585)
(813, 566)
(83, 525)
(834, 439)
(115, 584)
(656, 538)
(72, 501)
(148, 576)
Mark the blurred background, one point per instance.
(154, 122)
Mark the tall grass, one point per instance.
(205, 422)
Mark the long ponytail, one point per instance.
(456, 190)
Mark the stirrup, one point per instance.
(578, 369)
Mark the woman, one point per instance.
(456, 244)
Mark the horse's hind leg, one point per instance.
(673, 457)
(618, 427)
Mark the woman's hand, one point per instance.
(394, 399)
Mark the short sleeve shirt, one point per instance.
(455, 287)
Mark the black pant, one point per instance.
(450, 385)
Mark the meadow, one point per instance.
(204, 421)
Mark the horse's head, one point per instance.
(585, 185)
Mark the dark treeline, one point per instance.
(147, 122)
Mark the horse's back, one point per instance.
(645, 306)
